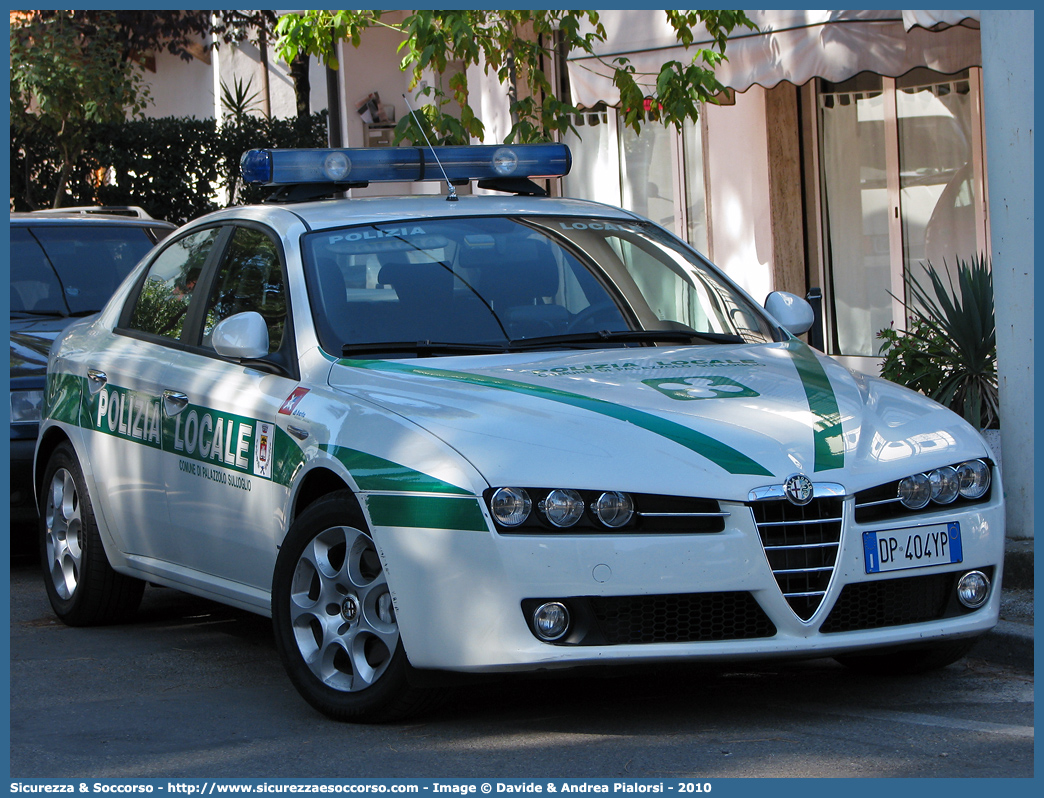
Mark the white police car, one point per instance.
(496, 433)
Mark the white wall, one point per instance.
(189, 88)
(489, 100)
(180, 88)
(1007, 74)
(741, 225)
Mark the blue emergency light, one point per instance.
(359, 166)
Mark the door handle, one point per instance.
(174, 402)
(96, 380)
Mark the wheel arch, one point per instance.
(51, 439)
(316, 484)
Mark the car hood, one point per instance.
(31, 340)
(708, 420)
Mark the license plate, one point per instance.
(898, 549)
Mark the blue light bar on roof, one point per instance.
(404, 164)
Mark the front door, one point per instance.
(226, 501)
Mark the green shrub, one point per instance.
(949, 351)
(174, 168)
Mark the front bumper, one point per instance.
(459, 595)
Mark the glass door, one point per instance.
(901, 178)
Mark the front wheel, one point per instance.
(82, 587)
(333, 618)
(909, 660)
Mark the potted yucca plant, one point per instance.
(949, 350)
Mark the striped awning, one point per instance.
(792, 46)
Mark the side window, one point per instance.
(163, 303)
(249, 278)
(35, 287)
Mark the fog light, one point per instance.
(973, 589)
(551, 621)
(915, 492)
(974, 479)
(614, 509)
(563, 507)
(510, 506)
(945, 484)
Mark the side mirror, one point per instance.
(243, 336)
(792, 312)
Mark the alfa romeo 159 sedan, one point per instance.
(492, 433)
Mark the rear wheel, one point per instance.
(909, 660)
(82, 587)
(333, 618)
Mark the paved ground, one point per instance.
(194, 689)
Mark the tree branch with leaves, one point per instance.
(518, 46)
(66, 79)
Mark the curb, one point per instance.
(1008, 643)
(1018, 564)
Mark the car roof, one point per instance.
(92, 219)
(325, 214)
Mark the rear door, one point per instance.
(125, 406)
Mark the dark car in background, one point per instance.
(65, 264)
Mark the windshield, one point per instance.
(500, 282)
(71, 270)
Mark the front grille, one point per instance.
(895, 602)
(801, 544)
(683, 618)
(671, 618)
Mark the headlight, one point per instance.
(974, 478)
(563, 507)
(944, 484)
(614, 509)
(510, 506)
(968, 480)
(26, 406)
(915, 492)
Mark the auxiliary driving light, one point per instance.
(551, 621)
(973, 589)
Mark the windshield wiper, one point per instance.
(625, 336)
(60, 314)
(577, 340)
(423, 348)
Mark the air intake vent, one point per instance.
(801, 543)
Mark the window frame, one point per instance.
(282, 361)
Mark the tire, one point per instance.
(334, 622)
(910, 659)
(82, 587)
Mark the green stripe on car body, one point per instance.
(827, 430)
(413, 499)
(427, 512)
(215, 438)
(62, 398)
(373, 473)
(717, 452)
